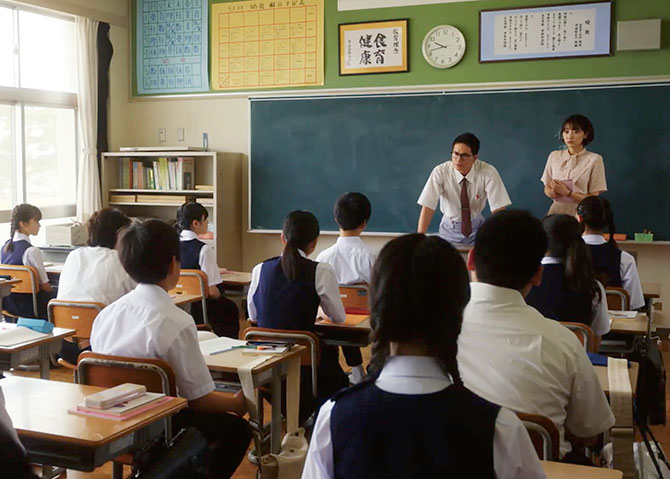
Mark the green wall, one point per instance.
(465, 16)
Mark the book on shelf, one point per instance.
(123, 198)
(168, 199)
(204, 187)
(159, 174)
(205, 201)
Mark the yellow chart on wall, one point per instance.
(267, 44)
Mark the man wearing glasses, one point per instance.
(462, 186)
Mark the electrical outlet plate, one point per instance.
(161, 134)
(180, 134)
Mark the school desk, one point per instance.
(52, 436)
(184, 299)
(39, 349)
(235, 283)
(5, 290)
(270, 372)
(638, 326)
(651, 290)
(560, 470)
(356, 333)
(633, 372)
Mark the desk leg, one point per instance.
(293, 395)
(275, 429)
(44, 361)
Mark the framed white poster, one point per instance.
(568, 30)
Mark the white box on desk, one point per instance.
(66, 234)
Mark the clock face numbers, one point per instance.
(443, 46)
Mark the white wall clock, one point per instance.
(443, 46)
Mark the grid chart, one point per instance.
(172, 49)
(267, 44)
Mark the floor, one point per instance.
(248, 470)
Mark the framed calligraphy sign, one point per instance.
(568, 30)
(373, 47)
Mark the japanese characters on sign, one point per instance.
(373, 47)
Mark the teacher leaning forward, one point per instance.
(462, 187)
(574, 173)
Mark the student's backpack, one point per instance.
(185, 457)
(650, 399)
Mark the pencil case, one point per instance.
(39, 325)
(113, 396)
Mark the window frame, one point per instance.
(19, 98)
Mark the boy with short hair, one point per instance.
(540, 366)
(350, 258)
(145, 323)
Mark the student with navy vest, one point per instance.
(222, 313)
(413, 418)
(285, 293)
(17, 250)
(569, 290)
(612, 266)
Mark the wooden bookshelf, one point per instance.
(208, 170)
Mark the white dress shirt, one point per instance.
(351, 259)
(94, 273)
(326, 286)
(145, 323)
(6, 422)
(600, 317)
(513, 453)
(206, 260)
(444, 186)
(630, 279)
(33, 257)
(511, 355)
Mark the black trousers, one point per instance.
(229, 437)
(352, 355)
(70, 351)
(222, 314)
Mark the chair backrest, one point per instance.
(618, 299)
(108, 371)
(584, 333)
(355, 298)
(78, 315)
(29, 280)
(310, 357)
(543, 434)
(193, 281)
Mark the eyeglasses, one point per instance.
(462, 156)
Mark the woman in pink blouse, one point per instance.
(572, 174)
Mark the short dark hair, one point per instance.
(583, 123)
(468, 139)
(509, 248)
(351, 210)
(423, 277)
(188, 213)
(146, 250)
(104, 225)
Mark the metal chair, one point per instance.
(108, 371)
(543, 434)
(29, 282)
(618, 299)
(77, 315)
(194, 281)
(355, 298)
(584, 333)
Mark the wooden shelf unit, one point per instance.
(208, 170)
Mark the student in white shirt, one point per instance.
(413, 417)
(94, 273)
(613, 266)
(25, 222)
(350, 258)
(145, 323)
(462, 186)
(569, 290)
(222, 313)
(13, 460)
(286, 292)
(508, 352)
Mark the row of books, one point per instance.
(160, 174)
(159, 199)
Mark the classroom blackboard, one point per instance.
(307, 151)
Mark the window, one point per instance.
(38, 111)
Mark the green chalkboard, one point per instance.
(307, 151)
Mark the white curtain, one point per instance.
(88, 182)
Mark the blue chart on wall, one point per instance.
(172, 48)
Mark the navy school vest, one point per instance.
(377, 434)
(18, 304)
(285, 304)
(190, 253)
(554, 300)
(606, 260)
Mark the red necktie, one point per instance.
(466, 220)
